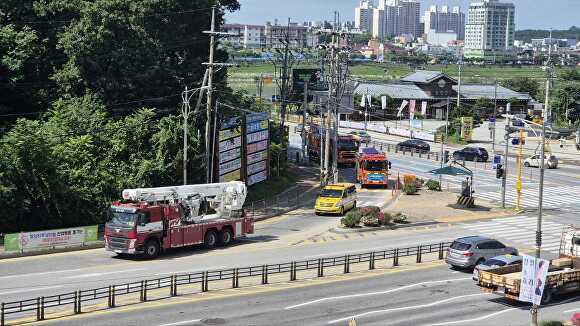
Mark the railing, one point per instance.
(279, 204)
(77, 299)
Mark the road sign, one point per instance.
(496, 161)
(517, 123)
(515, 141)
(492, 120)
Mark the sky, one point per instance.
(530, 14)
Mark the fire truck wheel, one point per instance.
(151, 249)
(226, 237)
(210, 239)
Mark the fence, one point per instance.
(281, 203)
(229, 278)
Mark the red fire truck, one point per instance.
(151, 220)
(372, 168)
(347, 146)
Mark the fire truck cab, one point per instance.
(372, 168)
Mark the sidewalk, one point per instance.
(441, 207)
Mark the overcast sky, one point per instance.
(536, 14)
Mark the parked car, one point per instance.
(468, 252)
(550, 161)
(361, 136)
(495, 262)
(475, 154)
(413, 145)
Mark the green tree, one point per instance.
(523, 85)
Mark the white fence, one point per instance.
(386, 130)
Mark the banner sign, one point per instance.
(257, 167)
(258, 177)
(466, 128)
(384, 102)
(403, 105)
(230, 155)
(534, 273)
(256, 117)
(256, 147)
(257, 157)
(26, 241)
(230, 133)
(230, 166)
(424, 136)
(400, 132)
(424, 109)
(257, 136)
(412, 109)
(226, 145)
(232, 176)
(256, 126)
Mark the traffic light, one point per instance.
(446, 157)
(499, 172)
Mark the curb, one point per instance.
(94, 245)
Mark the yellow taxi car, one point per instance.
(336, 198)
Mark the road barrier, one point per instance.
(38, 306)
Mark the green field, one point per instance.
(387, 71)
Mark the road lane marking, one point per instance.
(193, 321)
(374, 293)
(31, 289)
(474, 319)
(384, 311)
(41, 273)
(104, 273)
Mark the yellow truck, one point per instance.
(563, 273)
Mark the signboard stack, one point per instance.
(230, 150)
(257, 144)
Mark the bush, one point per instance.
(419, 182)
(369, 210)
(551, 323)
(410, 189)
(433, 185)
(370, 220)
(351, 219)
(385, 218)
(400, 218)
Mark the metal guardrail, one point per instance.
(279, 204)
(37, 306)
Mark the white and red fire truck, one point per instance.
(150, 220)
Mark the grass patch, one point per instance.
(456, 139)
(272, 187)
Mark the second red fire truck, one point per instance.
(372, 168)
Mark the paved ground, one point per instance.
(425, 295)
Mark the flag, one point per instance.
(403, 105)
(384, 102)
(412, 104)
(362, 101)
(424, 109)
(369, 100)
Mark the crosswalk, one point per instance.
(554, 197)
(520, 230)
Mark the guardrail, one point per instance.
(279, 204)
(37, 307)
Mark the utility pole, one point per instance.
(285, 76)
(328, 112)
(494, 118)
(210, 70)
(519, 179)
(185, 112)
(304, 108)
(209, 99)
(505, 169)
(459, 87)
(443, 139)
(549, 75)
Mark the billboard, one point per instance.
(257, 143)
(534, 273)
(466, 128)
(230, 150)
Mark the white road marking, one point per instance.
(384, 311)
(374, 293)
(474, 319)
(104, 273)
(192, 270)
(182, 322)
(31, 289)
(41, 273)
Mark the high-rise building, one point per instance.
(445, 21)
(397, 17)
(363, 16)
(490, 29)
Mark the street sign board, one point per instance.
(492, 119)
(515, 141)
(496, 161)
(517, 123)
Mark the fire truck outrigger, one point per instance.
(150, 220)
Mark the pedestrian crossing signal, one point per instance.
(499, 172)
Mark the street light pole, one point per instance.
(443, 140)
(505, 170)
(494, 118)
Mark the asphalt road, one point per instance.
(427, 296)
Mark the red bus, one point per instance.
(372, 168)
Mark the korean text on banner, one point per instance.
(534, 274)
(26, 241)
(424, 109)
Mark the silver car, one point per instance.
(495, 262)
(469, 252)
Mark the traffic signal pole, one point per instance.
(505, 165)
(519, 180)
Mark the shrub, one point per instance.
(410, 189)
(419, 182)
(433, 185)
(385, 218)
(370, 210)
(351, 219)
(370, 220)
(400, 218)
(409, 178)
(551, 323)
